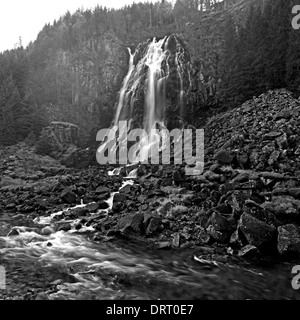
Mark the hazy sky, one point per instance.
(26, 18)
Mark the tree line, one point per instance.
(239, 48)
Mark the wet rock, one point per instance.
(118, 207)
(68, 196)
(78, 226)
(154, 226)
(13, 232)
(132, 221)
(47, 231)
(249, 252)
(238, 239)
(87, 199)
(126, 189)
(64, 227)
(163, 245)
(119, 197)
(289, 240)
(258, 233)
(92, 207)
(261, 214)
(219, 228)
(77, 212)
(102, 190)
(103, 205)
(242, 177)
(176, 240)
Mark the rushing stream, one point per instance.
(69, 265)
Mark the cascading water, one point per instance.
(69, 265)
(152, 93)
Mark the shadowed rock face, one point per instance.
(90, 78)
(64, 133)
(62, 136)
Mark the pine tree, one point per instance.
(277, 16)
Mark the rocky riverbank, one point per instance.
(246, 203)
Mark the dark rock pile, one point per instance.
(251, 182)
(246, 202)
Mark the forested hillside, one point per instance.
(74, 69)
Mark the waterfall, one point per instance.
(152, 93)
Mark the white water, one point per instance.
(109, 271)
(123, 93)
(155, 94)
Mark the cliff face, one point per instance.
(83, 83)
(78, 65)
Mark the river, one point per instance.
(70, 265)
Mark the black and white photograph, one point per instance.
(150, 153)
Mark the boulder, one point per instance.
(285, 208)
(77, 212)
(126, 189)
(64, 227)
(47, 231)
(219, 228)
(68, 196)
(102, 190)
(131, 222)
(103, 205)
(119, 197)
(92, 207)
(258, 233)
(154, 226)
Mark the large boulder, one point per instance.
(131, 223)
(219, 228)
(285, 208)
(258, 233)
(154, 226)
